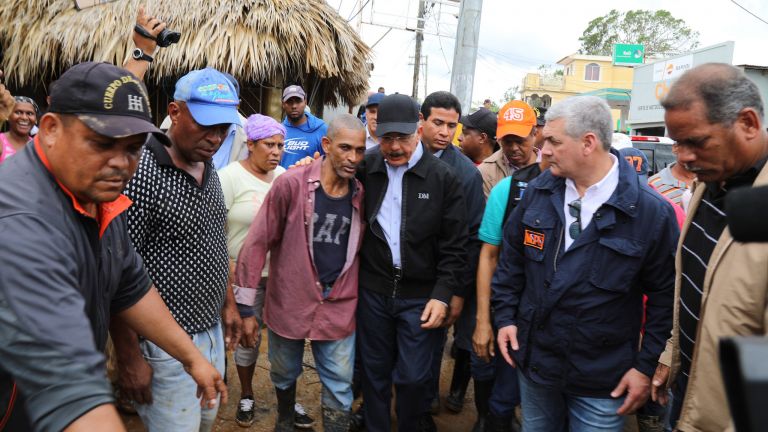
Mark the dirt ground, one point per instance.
(308, 394)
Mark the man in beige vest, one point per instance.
(715, 114)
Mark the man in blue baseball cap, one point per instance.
(371, 114)
(177, 223)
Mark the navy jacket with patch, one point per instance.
(579, 312)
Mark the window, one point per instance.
(546, 101)
(592, 72)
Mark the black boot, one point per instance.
(461, 375)
(482, 397)
(335, 420)
(286, 399)
(502, 424)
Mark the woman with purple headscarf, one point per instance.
(245, 184)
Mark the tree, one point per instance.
(511, 94)
(660, 33)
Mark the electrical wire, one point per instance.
(748, 11)
(358, 12)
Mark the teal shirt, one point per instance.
(491, 229)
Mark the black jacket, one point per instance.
(472, 182)
(433, 231)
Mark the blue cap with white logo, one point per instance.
(210, 96)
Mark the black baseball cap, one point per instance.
(111, 101)
(397, 113)
(483, 120)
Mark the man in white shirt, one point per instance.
(584, 245)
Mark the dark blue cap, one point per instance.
(638, 160)
(374, 99)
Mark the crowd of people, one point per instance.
(579, 290)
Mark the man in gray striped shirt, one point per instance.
(715, 113)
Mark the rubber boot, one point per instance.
(460, 381)
(482, 405)
(286, 399)
(335, 420)
(650, 423)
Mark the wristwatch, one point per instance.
(138, 54)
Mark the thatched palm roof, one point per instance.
(261, 41)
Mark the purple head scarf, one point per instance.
(259, 126)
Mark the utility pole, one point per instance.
(417, 55)
(426, 75)
(465, 52)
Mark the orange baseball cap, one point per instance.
(516, 118)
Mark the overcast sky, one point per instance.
(516, 36)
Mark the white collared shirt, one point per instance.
(369, 140)
(594, 197)
(390, 213)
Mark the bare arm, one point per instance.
(154, 26)
(482, 339)
(103, 417)
(150, 318)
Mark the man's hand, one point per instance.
(135, 379)
(457, 304)
(6, 101)
(659, 385)
(507, 338)
(153, 26)
(251, 332)
(233, 325)
(482, 341)
(638, 388)
(434, 314)
(305, 161)
(210, 385)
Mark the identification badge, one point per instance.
(534, 239)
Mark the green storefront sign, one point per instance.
(628, 54)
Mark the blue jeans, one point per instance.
(334, 361)
(548, 409)
(175, 405)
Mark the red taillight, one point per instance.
(645, 138)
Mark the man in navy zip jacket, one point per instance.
(581, 249)
(304, 132)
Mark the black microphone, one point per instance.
(747, 214)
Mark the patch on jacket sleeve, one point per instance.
(534, 239)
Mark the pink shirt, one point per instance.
(7, 148)
(294, 307)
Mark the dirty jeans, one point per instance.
(334, 360)
(175, 405)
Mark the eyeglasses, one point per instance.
(574, 209)
(401, 139)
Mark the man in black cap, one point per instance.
(478, 135)
(412, 261)
(73, 264)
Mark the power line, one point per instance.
(748, 11)
(358, 12)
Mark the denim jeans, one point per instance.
(175, 405)
(394, 350)
(548, 409)
(334, 360)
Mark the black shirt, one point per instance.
(178, 227)
(61, 279)
(707, 225)
(331, 222)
